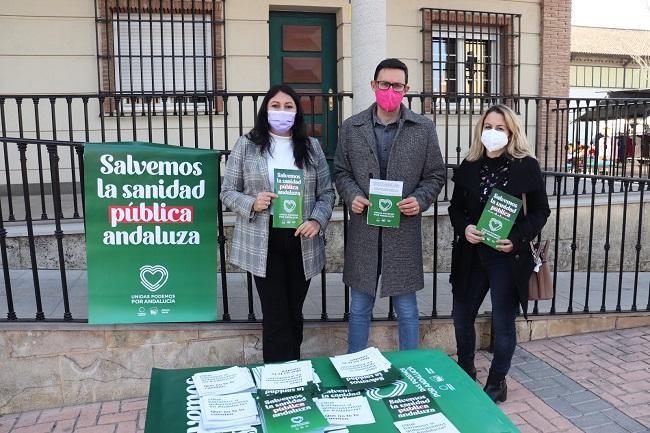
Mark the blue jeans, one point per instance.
(406, 307)
(497, 277)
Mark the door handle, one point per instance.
(330, 100)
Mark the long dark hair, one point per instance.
(260, 133)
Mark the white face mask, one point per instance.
(494, 140)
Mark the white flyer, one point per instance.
(288, 375)
(228, 408)
(346, 411)
(227, 381)
(364, 362)
(436, 423)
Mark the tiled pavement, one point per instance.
(592, 383)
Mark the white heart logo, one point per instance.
(495, 225)
(399, 387)
(289, 206)
(153, 277)
(385, 204)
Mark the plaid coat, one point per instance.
(246, 175)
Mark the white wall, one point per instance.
(49, 47)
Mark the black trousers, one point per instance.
(282, 294)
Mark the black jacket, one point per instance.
(465, 208)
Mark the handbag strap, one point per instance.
(536, 251)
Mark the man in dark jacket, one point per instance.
(387, 141)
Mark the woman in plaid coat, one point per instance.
(282, 260)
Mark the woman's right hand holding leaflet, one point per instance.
(263, 201)
(472, 235)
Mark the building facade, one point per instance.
(183, 71)
(610, 63)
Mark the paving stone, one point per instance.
(542, 373)
(625, 421)
(538, 421)
(64, 426)
(35, 428)
(108, 428)
(110, 407)
(563, 407)
(636, 398)
(126, 427)
(27, 418)
(570, 384)
(537, 385)
(592, 406)
(118, 417)
(609, 428)
(592, 420)
(553, 391)
(519, 376)
(580, 397)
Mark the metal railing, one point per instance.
(598, 225)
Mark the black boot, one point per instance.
(468, 366)
(496, 388)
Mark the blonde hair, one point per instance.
(517, 146)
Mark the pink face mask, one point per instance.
(281, 121)
(388, 99)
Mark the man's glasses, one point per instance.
(384, 85)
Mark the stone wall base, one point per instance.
(53, 364)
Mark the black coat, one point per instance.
(465, 208)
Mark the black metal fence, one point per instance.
(42, 140)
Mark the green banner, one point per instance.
(173, 405)
(151, 229)
(498, 217)
(287, 207)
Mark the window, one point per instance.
(476, 69)
(470, 54)
(614, 77)
(163, 53)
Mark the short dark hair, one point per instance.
(392, 63)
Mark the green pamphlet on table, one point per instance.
(418, 412)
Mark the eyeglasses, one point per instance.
(384, 85)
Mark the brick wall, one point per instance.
(556, 47)
(554, 71)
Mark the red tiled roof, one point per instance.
(606, 41)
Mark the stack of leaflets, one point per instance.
(285, 397)
(418, 413)
(287, 378)
(367, 368)
(226, 400)
(225, 413)
(226, 381)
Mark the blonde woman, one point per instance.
(499, 157)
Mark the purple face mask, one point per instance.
(281, 121)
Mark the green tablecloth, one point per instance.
(459, 398)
